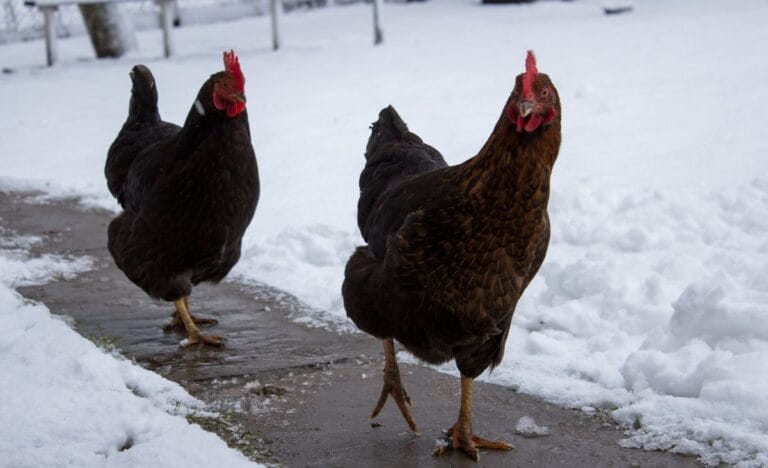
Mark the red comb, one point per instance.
(232, 65)
(530, 75)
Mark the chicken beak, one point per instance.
(238, 97)
(524, 108)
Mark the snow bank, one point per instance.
(709, 366)
(65, 402)
(655, 304)
(307, 262)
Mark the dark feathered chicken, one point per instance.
(188, 193)
(451, 248)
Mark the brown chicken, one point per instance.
(452, 248)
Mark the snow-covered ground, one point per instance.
(66, 402)
(653, 300)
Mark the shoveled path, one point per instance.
(295, 395)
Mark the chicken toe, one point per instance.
(393, 386)
(462, 439)
(176, 321)
(193, 333)
(460, 436)
(199, 338)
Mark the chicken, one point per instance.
(188, 193)
(450, 249)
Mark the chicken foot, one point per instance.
(460, 435)
(394, 386)
(193, 333)
(177, 322)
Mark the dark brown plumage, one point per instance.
(452, 248)
(188, 192)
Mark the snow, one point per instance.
(652, 301)
(527, 427)
(66, 402)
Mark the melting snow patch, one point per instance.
(527, 427)
(441, 443)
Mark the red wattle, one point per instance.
(235, 108)
(218, 102)
(533, 123)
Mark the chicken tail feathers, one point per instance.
(143, 104)
(142, 128)
(390, 128)
(393, 155)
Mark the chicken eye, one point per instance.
(545, 93)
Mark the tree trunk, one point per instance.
(111, 32)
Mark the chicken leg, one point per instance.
(393, 386)
(193, 333)
(460, 435)
(177, 322)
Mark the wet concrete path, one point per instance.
(294, 395)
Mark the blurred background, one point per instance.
(19, 21)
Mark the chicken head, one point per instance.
(229, 88)
(534, 101)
